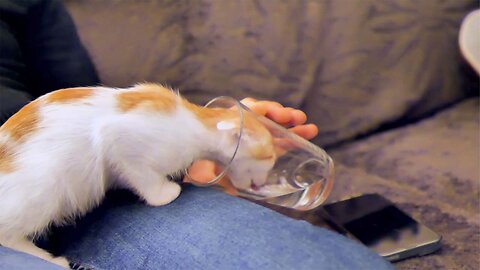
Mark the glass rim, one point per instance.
(217, 178)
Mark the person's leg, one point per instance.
(206, 229)
(11, 259)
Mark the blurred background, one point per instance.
(353, 65)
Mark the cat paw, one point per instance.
(168, 192)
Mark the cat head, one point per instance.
(255, 155)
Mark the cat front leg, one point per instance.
(161, 193)
(130, 148)
(155, 189)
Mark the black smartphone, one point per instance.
(381, 226)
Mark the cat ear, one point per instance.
(229, 130)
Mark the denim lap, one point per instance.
(207, 229)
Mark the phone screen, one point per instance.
(380, 225)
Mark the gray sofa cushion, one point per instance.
(352, 65)
(459, 228)
(431, 168)
(438, 155)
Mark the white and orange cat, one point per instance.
(62, 152)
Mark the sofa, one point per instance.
(396, 104)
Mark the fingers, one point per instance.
(298, 117)
(227, 186)
(308, 132)
(248, 101)
(282, 116)
(201, 171)
(261, 107)
(285, 116)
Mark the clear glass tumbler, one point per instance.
(268, 162)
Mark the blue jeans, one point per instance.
(202, 229)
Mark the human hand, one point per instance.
(288, 117)
(293, 119)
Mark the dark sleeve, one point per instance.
(40, 51)
(13, 91)
(54, 55)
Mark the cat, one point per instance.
(60, 153)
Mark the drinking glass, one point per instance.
(287, 170)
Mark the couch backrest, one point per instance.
(352, 65)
